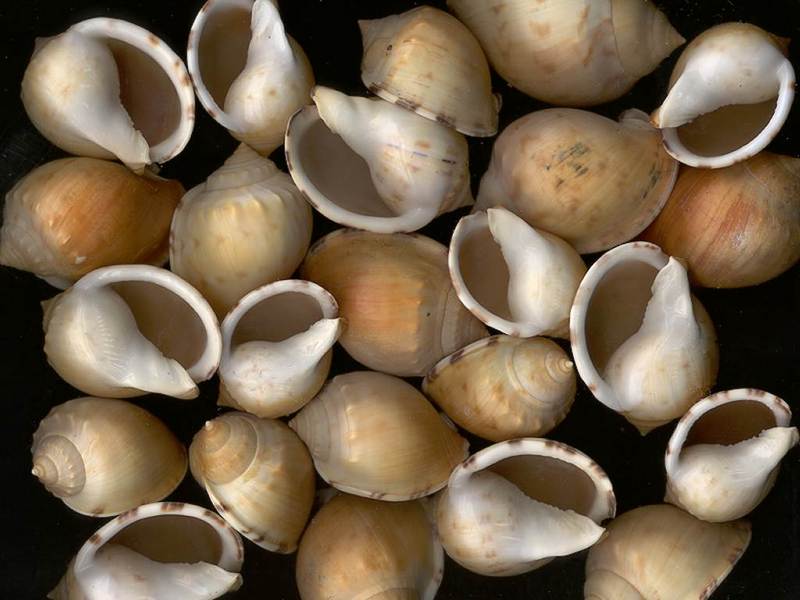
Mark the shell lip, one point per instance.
(300, 125)
(232, 550)
(644, 252)
(445, 362)
(776, 405)
(206, 365)
(604, 505)
(171, 64)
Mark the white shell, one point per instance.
(514, 278)
(163, 550)
(130, 330)
(107, 88)
(730, 94)
(372, 165)
(276, 347)
(641, 342)
(245, 226)
(725, 453)
(250, 76)
(514, 506)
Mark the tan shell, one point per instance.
(662, 552)
(374, 435)
(503, 387)
(591, 181)
(161, 550)
(245, 226)
(258, 475)
(103, 457)
(570, 52)
(425, 60)
(395, 295)
(736, 226)
(73, 215)
(514, 506)
(360, 548)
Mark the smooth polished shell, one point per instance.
(107, 88)
(570, 52)
(394, 293)
(426, 61)
(360, 548)
(374, 435)
(593, 182)
(502, 387)
(724, 455)
(73, 215)
(161, 550)
(736, 226)
(514, 506)
(659, 551)
(644, 346)
(103, 457)
(258, 475)
(247, 225)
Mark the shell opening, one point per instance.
(485, 272)
(731, 423)
(166, 320)
(332, 168)
(172, 539)
(277, 318)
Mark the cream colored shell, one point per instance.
(375, 435)
(643, 345)
(395, 295)
(724, 455)
(426, 61)
(245, 226)
(369, 164)
(103, 457)
(360, 548)
(591, 181)
(570, 52)
(512, 277)
(502, 387)
(73, 215)
(250, 76)
(161, 550)
(659, 551)
(129, 330)
(258, 475)
(107, 88)
(514, 506)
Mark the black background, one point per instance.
(757, 327)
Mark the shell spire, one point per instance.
(222, 450)
(58, 464)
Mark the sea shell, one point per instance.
(735, 226)
(360, 548)
(662, 552)
(514, 278)
(426, 61)
(276, 347)
(502, 387)
(592, 182)
(246, 226)
(130, 330)
(107, 88)
(514, 506)
(642, 343)
(375, 435)
(258, 475)
(373, 165)
(103, 457)
(73, 215)
(730, 93)
(570, 52)
(725, 453)
(249, 74)
(161, 550)
(394, 293)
